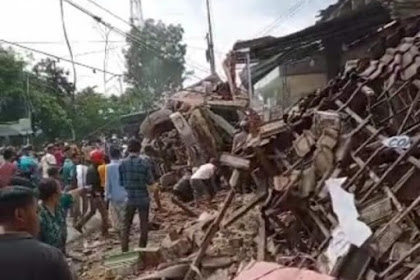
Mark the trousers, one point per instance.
(97, 203)
(130, 211)
(117, 211)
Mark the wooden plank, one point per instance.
(398, 251)
(245, 209)
(396, 264)
(363, 167)
(228, 104)
(234, 161)
(376, 211)
(414, 274)
(272, 128)
(385, 239)
(234, 178)
(181, 205)
(403, 156)
(400, 208)
(372, 130)
(221, 122)
(262, 239)
(212, 230)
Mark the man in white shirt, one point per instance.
(81, 171)
(203, 181)
(48, 160)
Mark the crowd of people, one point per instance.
(40, 192)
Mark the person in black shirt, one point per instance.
(21, 255)
(97, 201)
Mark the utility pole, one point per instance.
(136, 13)
(210, 43)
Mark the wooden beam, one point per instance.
(398, 263)
(181, 205)
(245, 209)
(262, 239)
(211, 231)
(414, 161)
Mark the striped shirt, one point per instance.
(135, 175)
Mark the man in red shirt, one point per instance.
(7, 168)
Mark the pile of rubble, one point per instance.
(334, 179)
(345, 200)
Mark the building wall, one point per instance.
(300, 85)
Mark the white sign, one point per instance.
(344, 207)
(398, 142)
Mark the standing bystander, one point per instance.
(21, 255)
(97, 202)
(52, 213)
(114, 192)
(135, 176)
(7, 168)
(48, 160)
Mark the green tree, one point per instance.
(52, 99)
(12, 94)
(94, 110)
(156, 64)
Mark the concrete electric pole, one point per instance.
(210, 43)
(136, 13)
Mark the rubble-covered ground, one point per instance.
(89, 252)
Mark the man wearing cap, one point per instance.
(21, 255)
(48, 160)
(93, 182)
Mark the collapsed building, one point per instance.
(334, 176)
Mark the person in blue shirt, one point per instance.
(135, 176)
(114, 191)
(27, 164)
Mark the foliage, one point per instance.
(11, 86)
(94, 111)
(155, 61)
(155, 64)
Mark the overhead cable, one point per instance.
(57, 57)
(130, 37)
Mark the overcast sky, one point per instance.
(39, 22)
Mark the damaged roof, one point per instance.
(271, 52)
(346, 28)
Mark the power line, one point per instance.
(109, 12)
(95, 52)
(190, 63)
(158, 52)
(57, 57)
(63, 42)
(292, 12)
(281, 18)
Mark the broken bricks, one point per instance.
(124, 264)
(338, 132)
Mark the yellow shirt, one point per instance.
(102, 174)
